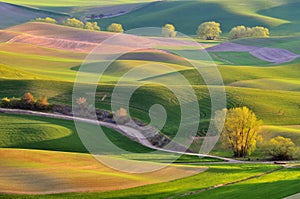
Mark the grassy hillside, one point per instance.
(278, 185)
(230, 14)
(78, 8)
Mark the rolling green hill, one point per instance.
(11, 14)
(187, 15)
(52, 134)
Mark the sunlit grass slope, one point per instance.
(217, 174)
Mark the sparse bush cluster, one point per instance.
(27, 101)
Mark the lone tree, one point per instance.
(115, 27)
(169, 31)
(209, 30)
(240, 132)
(281, 148)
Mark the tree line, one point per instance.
(76, 23)
(212, 30)
(208, 30)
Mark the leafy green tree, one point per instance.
(92, 26)
(281, 148)
(73, 22)
(240, 132)
(115, 27)
(47, 20)
(169, 31)
(209, 30)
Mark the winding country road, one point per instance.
(127, 131)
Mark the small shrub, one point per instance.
(5, 102)
(27, 101)
(121, 116)
(281, 148)
(46, 20)
(15, 103)
(42, 103)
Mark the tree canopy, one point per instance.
(169, 31)
(115, 27)
(92, 26)
(244, 32)
(240, 132)
(209, 30)
(73, 22)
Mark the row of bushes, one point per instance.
(27, 102)
(211, 30)
(76, 23)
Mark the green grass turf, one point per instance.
(217, 174)
(230, 14)
(7, 72)
(276, 185)
(292, 132)
(270, 84)
(290, 43)
(237, 58)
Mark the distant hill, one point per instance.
(11, 14)
(187, 15)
